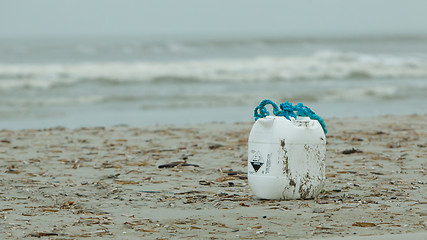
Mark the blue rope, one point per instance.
(287, 111)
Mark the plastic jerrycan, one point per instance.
(286, 158)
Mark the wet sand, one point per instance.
(106, 182)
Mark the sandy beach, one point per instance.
(101, 182)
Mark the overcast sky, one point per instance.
(212, 17)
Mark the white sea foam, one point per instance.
(361, 93)
(321, 65)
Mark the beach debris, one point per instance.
(324, 201)
(231, 172)
(138, 164)
(43, 234)
(146, 230)
(379, 133)
(346, 171)
(227, 178)
(352, 150)
(125, 182)
(204, 182)
(110, 176)
(133, 171)
(177, 164)
(423, 214)
(48, 210)
(13, 171)
(393, 145)
(108, 164)
(6, 209)
(318, 210)
(149, 191)
(213, 146)
(363, 224)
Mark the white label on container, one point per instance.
(257, 161)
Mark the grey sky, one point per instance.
(211, 17)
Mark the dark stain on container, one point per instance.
(285, 157)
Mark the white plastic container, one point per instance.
(286, 158)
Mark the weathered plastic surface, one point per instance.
(286, 158)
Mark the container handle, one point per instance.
(287, 111)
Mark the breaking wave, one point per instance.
(321, 65)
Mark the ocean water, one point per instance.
(136, 81)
